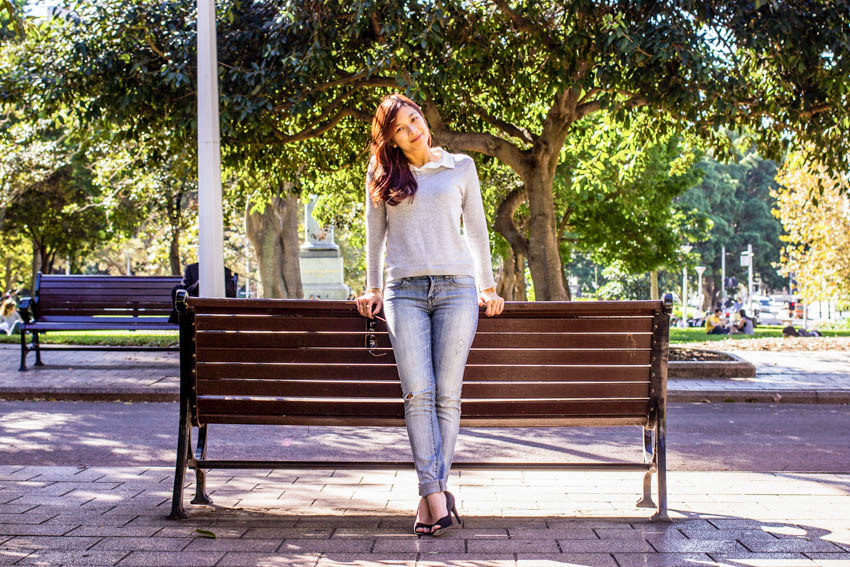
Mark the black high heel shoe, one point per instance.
(444, 523)
(417, 525)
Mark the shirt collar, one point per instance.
(445, 160)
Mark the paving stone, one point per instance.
(458, 560)
(778, 559)
(342, 545)
(12, 556)
(682, 545)
(606, 546)
(512, 546)
(113, 531)
(566, 560)
(73, 558)
(47, 543)
(662, 559)
(419, 545)
(351, 559)
(170, 558)
(142, 544)
(284, 533)
(552, 533)
(789, 545)
(234, 559)
(829, 559)
(232, 544)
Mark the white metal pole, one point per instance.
(700, 294)
(750, 282)
(684, 322)
(723, 275)
(210, 232)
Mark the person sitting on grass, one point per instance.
(714, 324)
(10, 320)
(744, 325)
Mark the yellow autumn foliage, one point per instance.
(817, 227)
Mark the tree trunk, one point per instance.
(511, 285)
(544, 258)
(653, 284)
(7, 274)
(37, 261)
(274, 235)
(174, 252)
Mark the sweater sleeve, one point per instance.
(475, 228)
(376, 238)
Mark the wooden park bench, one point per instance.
(95, 303)
(537, 364)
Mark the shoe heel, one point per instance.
(451, 505)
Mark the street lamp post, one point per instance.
(700, 270)
(684, 322)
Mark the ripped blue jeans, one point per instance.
(431, 321)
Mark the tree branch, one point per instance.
(378, 81)
(480, 142)
(307, 133)
(509, 129)
(525, 25)
(504, 222)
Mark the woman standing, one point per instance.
(416, 196)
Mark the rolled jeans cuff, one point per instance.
(432, 486)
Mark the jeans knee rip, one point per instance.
(408, 396)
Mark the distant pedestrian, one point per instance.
(10, 320)
(744, 325)
(714, 324)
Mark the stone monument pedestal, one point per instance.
(322, 272)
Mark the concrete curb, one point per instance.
(761, 396)
(737, 368)
(86, 395)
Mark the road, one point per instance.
(701, 437)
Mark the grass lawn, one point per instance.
(170, 338)
(116, 338)
(697, 334)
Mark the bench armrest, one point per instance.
(25, 309)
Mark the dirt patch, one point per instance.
(698, 355)
(771, 344)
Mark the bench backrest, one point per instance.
(63, 297)
(320, 362)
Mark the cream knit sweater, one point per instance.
(424, 237)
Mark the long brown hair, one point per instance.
(391, 181)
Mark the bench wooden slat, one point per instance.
(105, 300)
(385, 389)
(478, 356)
(162, 326)
(91, 288)
(382, 408)
(485, 324)
(88, 311)
(215, 339)
(260, 371)
(512, 308)
(360, 421)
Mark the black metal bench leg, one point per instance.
(661, 462)
(201, 496)
(177, 511)
(648, 458)
(23, 351)
(37, 349)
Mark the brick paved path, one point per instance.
(115, 516)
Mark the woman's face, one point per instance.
(410, 133)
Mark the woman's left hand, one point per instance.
(495, 304)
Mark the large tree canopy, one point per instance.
(300, 78)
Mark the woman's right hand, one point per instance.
(370, 299)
